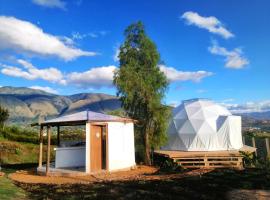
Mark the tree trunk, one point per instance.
(147, 158)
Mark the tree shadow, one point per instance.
(212, 185)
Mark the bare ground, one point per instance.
(149, 183)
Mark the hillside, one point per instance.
(31, 105)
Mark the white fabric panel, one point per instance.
(121, 145)
(202, 125)
(235, 132)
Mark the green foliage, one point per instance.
(18, 151)
(118, 112)
(4, 114)
(142, 86)
(15, 133)
(249, 159)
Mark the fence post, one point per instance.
(267, 147)
(254, 145)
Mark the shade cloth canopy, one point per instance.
(202, 125)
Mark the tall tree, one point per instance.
(142, 86)
(4, 114)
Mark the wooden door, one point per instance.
(96, 148)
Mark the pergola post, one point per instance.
(58, 135)
(40, 146)
(48, 149)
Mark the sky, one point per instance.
(209, 49)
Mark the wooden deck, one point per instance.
(207, 159)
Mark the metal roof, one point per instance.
(84, 116)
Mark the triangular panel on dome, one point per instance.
(187, 139)
(181, 114)
(187, 128)
(178, 123)
(205, 103)
(198, 115)
(196, 123)
(191, 110)
(210, 112)
(206, 128)
(172, 129)
(177, 143)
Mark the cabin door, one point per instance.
(98, 152)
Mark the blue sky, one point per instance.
(210, 49)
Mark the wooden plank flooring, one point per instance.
(207, 159)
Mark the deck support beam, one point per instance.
(40, 147)
(48, 149)
(254, 144)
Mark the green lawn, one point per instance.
(10, 191)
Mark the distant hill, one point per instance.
(31, 105)
(258, 115)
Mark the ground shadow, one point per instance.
(213, 185)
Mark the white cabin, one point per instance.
(108, 145)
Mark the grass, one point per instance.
(10, 191)
(12, 152)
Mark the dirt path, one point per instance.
(149, 183)
(140, 173)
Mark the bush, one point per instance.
(166, 164)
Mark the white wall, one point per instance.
(87, 145)
(69, 157)
(121, 145)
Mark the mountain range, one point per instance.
(32, 105)
(28, 105)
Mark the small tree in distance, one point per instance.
(142, 86)
(4, 114)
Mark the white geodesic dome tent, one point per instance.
(202, 125)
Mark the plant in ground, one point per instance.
(142, 86)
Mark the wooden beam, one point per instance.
(40, 147)
(48, 149)
(58, 135)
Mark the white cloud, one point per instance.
(174, 103)
(51, 3)
(234, 59)
(46, 89)
(248, 107)
(30, 72)
(93, 78)
(212, 24)
(25, 37)
(96, 77)
(175, 75)
(80, 36)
